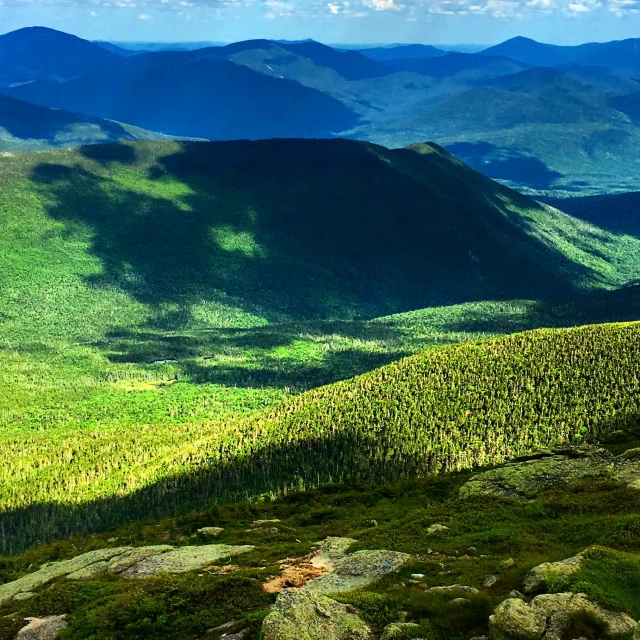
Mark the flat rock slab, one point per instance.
(133, 562)
(184, 559)
(54, 570)
(300, 615)
(357, 570)
(548, 617)
(47, 628)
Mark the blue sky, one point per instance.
(331, 21)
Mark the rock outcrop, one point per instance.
(548, 617)
(133, 562)
(540, 577)
(527, 477)
(183, 559)
(357, 570)
(300, 615)
(48, 628)
(331, 550)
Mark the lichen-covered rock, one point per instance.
(540, 577)
(129, 558)
(183, 559)
(548, 616)
(331, 550)
(525, 479)
(357, 570)
(300, 615)
(54, 570)
(400, 631)
(26, 595)
(90, 571)
(47, 628)
(129, 561)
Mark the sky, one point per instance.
(331, 21)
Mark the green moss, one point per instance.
(610, 577)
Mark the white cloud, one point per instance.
(382, 5)
(579, 7)
(622, 8)
(345, 9)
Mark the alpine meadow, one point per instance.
(275, 367)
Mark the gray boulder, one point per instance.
(47, 628)
(300, 615)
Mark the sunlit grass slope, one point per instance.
(446, 409)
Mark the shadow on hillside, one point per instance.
(294, 356)
(618, 213)
(304, 356)
(285, 467)
(500, 163)
(106, 154)
(293, 230)
(269, 469)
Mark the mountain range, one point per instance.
(502, 110)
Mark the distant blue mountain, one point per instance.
(623, 55)
(402, 52)
(39, 52)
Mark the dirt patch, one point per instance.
(296, 572)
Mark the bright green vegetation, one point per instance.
(484, 530)
(151, 293)
(610, 577)
(446, 409)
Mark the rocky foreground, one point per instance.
(341, 591)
